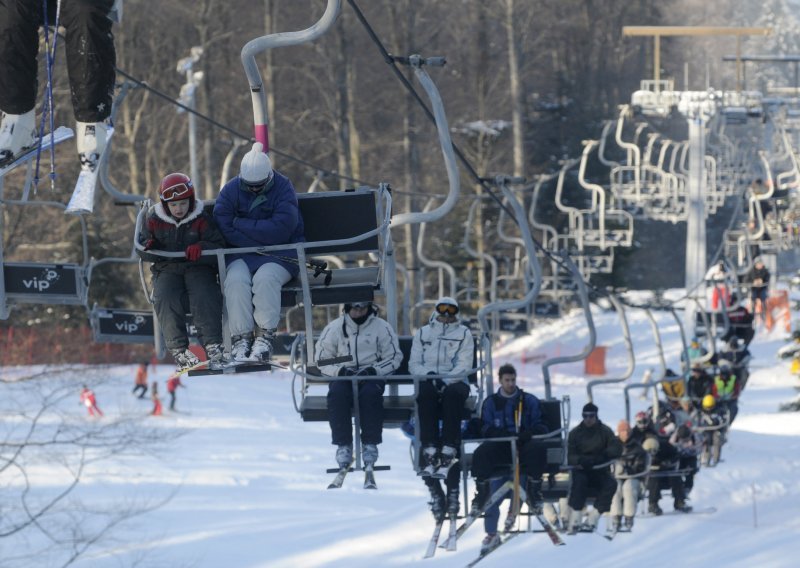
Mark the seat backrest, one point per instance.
(405, 346)
(334, 215)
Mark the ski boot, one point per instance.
(574, 523)
(240, 347)
(262, 346)
(535, 499)
(590, 524)
(680, 505)
(481, 495)
(17, 134)
(452, 501)
(369, 453)
(344, 455)
(616, 522)
(628, 523)
(437, 502)
(490, 541)
(91, 143)
(654, 509)
(216, 356)
(447, 459)
(184, 359)
(429, 461)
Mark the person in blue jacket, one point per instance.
(510, 412)
(257, 208)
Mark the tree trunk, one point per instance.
(517, 96)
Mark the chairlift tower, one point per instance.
(698, 107)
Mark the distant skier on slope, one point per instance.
(89, 400)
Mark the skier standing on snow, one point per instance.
(442, 347)
(758, 277)
(90, 402)
(90, 57)
(178, 223)
(172, 385)
(141, 379)
(374, 349)
(718, 276)
(257, 208)
(156, 400)
(632, 461)
(509, 412)
(591, 443)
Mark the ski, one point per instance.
(496, 497)
(488, 551)
(82, 200)
(703, 511)
(611, 533)
(369, 479)
(339, 479)
(59, 135)
(451, 539)
(550, 530)
(437, 530)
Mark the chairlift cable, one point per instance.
(391, 60)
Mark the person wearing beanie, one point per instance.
(257, 208)
(373, 349)
(591, 446)
(178, 222)
(633, 462)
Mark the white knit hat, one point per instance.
(256, 165)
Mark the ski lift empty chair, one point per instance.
(120, 325)
(626, 336)
(61, 283)
(614, 226)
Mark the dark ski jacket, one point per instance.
(633, 459)
(598, 443)
(761, 274)
(497, 415)
(172, 235)
(269, 218)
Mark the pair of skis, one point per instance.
(341, 474)
(449, 544)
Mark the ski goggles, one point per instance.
(359, 305)
(446, 309)
(176, 192)
(256, 186)
(589, 415)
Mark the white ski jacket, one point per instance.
(371, 344)
(444, 349)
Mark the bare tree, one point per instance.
(46, 450)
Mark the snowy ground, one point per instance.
(245, 483)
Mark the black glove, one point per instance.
(367, 371)
(586, 462)
(346, 372)
(525, 436)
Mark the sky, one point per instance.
(239, 480)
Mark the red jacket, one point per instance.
(87, 398)
(173, 383)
